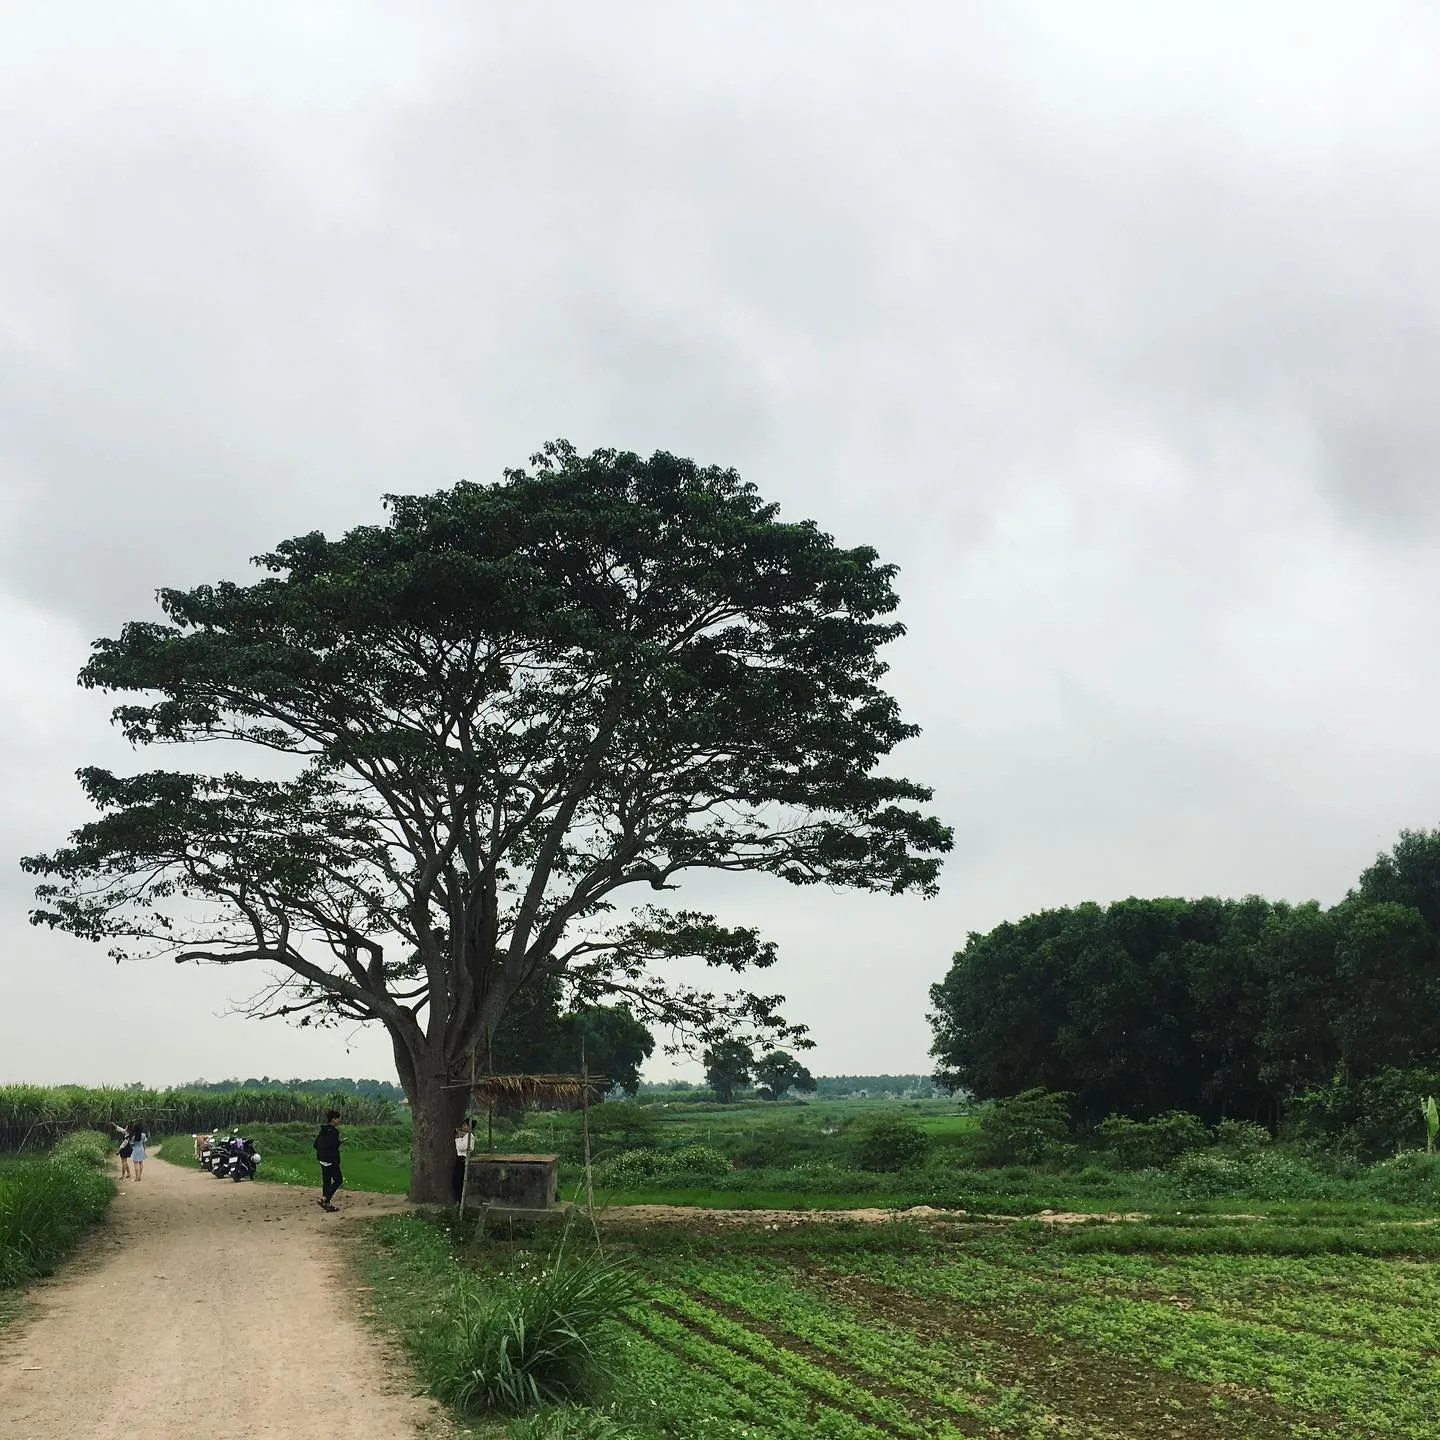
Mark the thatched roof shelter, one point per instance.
(556, 1092)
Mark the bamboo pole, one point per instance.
(585, 1131)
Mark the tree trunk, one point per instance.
(436, 1108)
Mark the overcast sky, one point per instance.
(1117, 326)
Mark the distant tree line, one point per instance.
(369, 1089)
(1216, 1007)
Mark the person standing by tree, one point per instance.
(464, 1149)
(327, 1152)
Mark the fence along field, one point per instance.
(34, 1117)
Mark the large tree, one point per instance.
(780, 1072)
(728, 1064)
(491, 721)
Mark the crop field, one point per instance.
(860, 1332)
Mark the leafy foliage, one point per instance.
(511, 1344)
(32, 1116)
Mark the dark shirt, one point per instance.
(327, 1145)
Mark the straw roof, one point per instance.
(561, 1091)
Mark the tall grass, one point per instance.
(33, 1116)
(45, 1205)
(511, 1342)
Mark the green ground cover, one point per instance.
(965, 1329)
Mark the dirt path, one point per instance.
(205, 1307)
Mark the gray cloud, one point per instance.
(1115, 325)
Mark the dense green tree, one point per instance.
(1216, 1007)
(482, 726)
(1385, 1003)
(728, 1066)
(536, 1035)
(780, 1072)
(1408, 875)
(1296, 1044)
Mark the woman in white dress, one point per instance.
(138, 1140)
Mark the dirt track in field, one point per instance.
(206, 1308)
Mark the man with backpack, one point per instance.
(327, 1152)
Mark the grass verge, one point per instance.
(46, 1205)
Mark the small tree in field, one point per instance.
(497, 716)
(728, 1065)
(780, 1072)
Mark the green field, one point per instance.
(863, 1332)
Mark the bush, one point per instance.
(1152, 1144)
(45, 1206)
(893, 1143)
(511, 1344)
(85, 1147)
(1024, 1129)
(1368, 1119)
(1200, 1175)
(1242, 1138)
(1411, 1178)
(635, 1169)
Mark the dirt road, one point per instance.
(205, 1307)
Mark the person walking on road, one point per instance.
(327, 1152)
(464, 1149)
(138, 1141)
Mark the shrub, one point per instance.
(701, 1161)
(1242, 1138)
(85, 1147)
(1201, 1175)
(514, 1344)
(1368, 1118)
(1151, 1144)
(894, 1143)
(1411, 1178)
(1024, 1129)
(635, 1169)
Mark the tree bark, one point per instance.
(437, 1106)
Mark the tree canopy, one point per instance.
(494, 720)
(780, 1072)
(728, 1065)
(1217, 1007)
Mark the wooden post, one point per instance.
(585, 1131)
(465, 1173)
